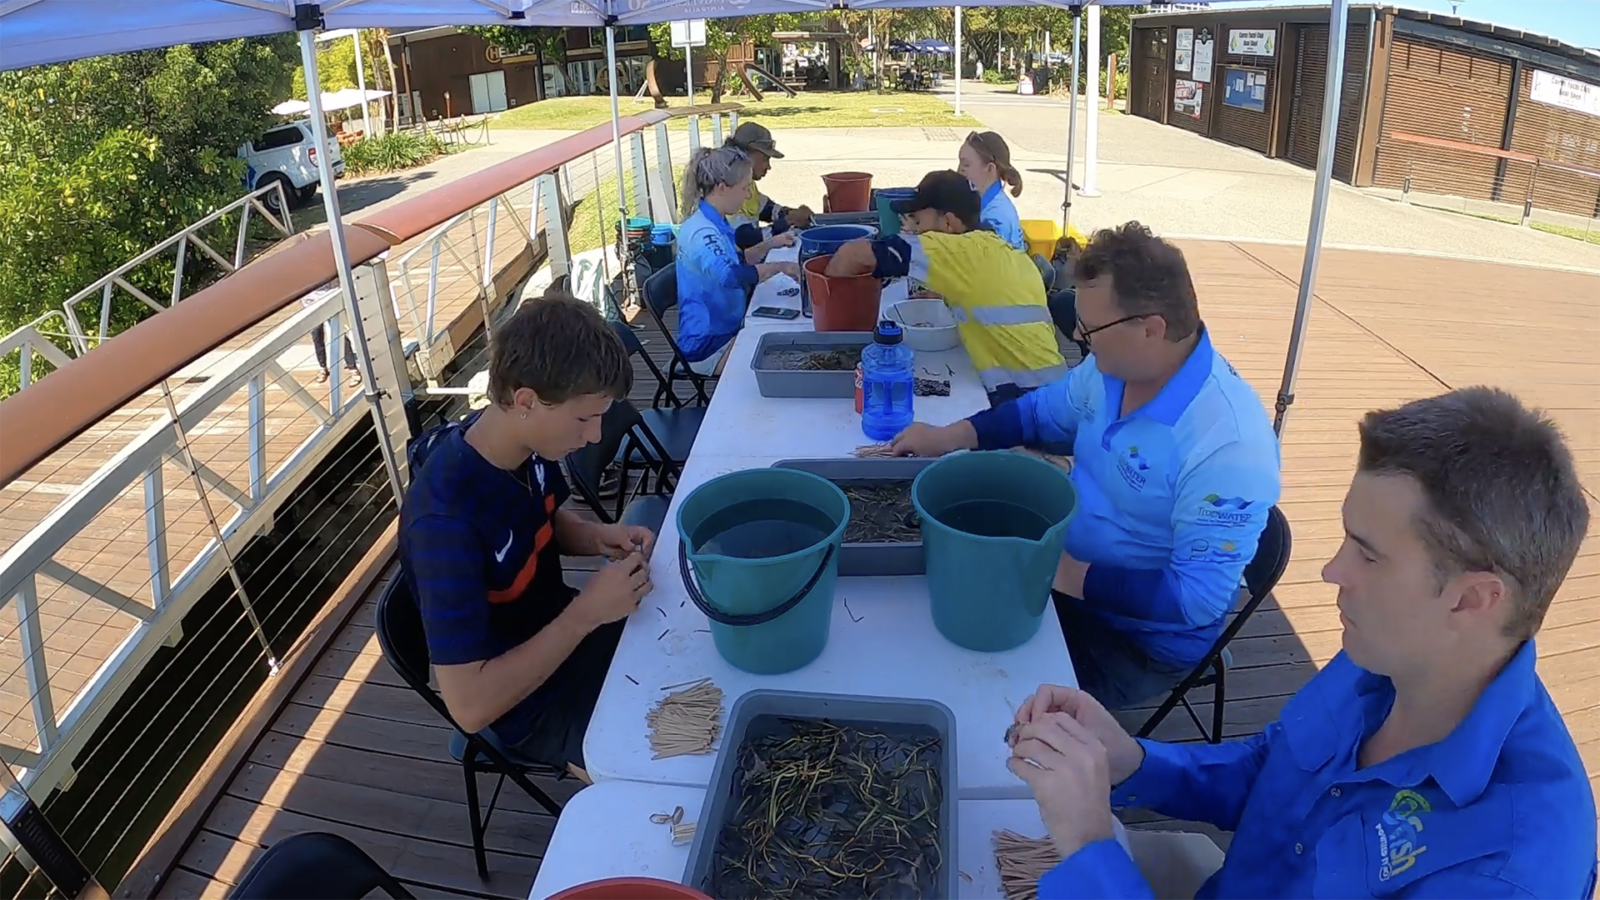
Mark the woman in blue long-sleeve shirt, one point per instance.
(985, 161)
(714, 277)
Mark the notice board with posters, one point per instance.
(1204, 53)
(1188, 97)
(1244, 88)
(1183, 58)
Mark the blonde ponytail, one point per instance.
(708, 168)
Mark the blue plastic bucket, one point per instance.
(992, 528)
(759, 554)
(825, 241)
(664, 233)
(888, 219)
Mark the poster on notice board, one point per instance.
(1187, 97)
(1183, 58)
(1204, 51)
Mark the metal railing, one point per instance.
(1522, 184)
(142, 478)
(59, 335)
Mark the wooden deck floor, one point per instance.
(355, 753)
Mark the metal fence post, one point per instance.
(375, 305)
(669, 191)
(555, 225)
(641, 177)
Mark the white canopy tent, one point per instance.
(35, 32)
(331, 100)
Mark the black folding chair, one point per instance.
(660, 296)
(627, 442)
(405, 646)
(316, 864)
(1260, 577)
(675, 427)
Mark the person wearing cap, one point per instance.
(985, 161)
(994, 292)
(757, 143)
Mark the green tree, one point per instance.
(549, 45)
(101, 158)
(724, 34)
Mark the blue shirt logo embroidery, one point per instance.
(1225, 512)
(1131, 466)
(1399, 831)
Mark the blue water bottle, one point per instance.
(887, 370)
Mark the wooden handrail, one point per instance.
(39, 421)
(1462, 147)
(44, 418)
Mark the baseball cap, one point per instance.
(944, 191)
(751, 136)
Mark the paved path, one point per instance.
(1183, 184)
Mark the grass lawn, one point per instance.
(585, 232)
(815, 109)
(1591, 236)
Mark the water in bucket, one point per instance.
(996, 518)
(759, 555)
(992, 529)
(763, 529)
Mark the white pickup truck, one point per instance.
(287, 153)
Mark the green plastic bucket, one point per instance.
(759, 554)
(888, 219)
(992, 529)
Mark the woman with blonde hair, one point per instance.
(714, 278)
(985, 160)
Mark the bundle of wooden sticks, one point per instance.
(686, 721)
(1021, 861)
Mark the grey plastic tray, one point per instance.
(800, 383)
(862, 559)
(840, 709)
(865, 217)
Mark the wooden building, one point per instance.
(1428, 101)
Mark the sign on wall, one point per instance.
(1183, 59)
(1567, 93)
(1244, 88)
(1204, 51)
(1252, 41)
(1188, 97)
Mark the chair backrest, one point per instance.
(316, 864)
(404, 643)
(661, 292)
(1272, 555)
(587, 465)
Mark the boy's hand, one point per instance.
(800, 216)
(615, 542)
(614, 592)
(783, 240)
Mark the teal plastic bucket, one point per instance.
(992, 529)
(888, 219)
(759, 554)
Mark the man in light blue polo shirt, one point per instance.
(1175, 464)
(1426, 759)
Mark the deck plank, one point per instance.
(1385, 329)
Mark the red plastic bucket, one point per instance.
(848, 191)
(841, 303)
(630, 889)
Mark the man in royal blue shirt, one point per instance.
(516, 652)
(1425, 760)
(1174, 461)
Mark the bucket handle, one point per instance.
(744, 620)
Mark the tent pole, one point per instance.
(1319, 211)
(361, 76)
(616, 154)
(1091, 106)
(341, 258)
(958, 60)
(1072, 120)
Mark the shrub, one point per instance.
(393, 151)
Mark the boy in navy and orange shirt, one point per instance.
(516, 652)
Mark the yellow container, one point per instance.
(1041, 236)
